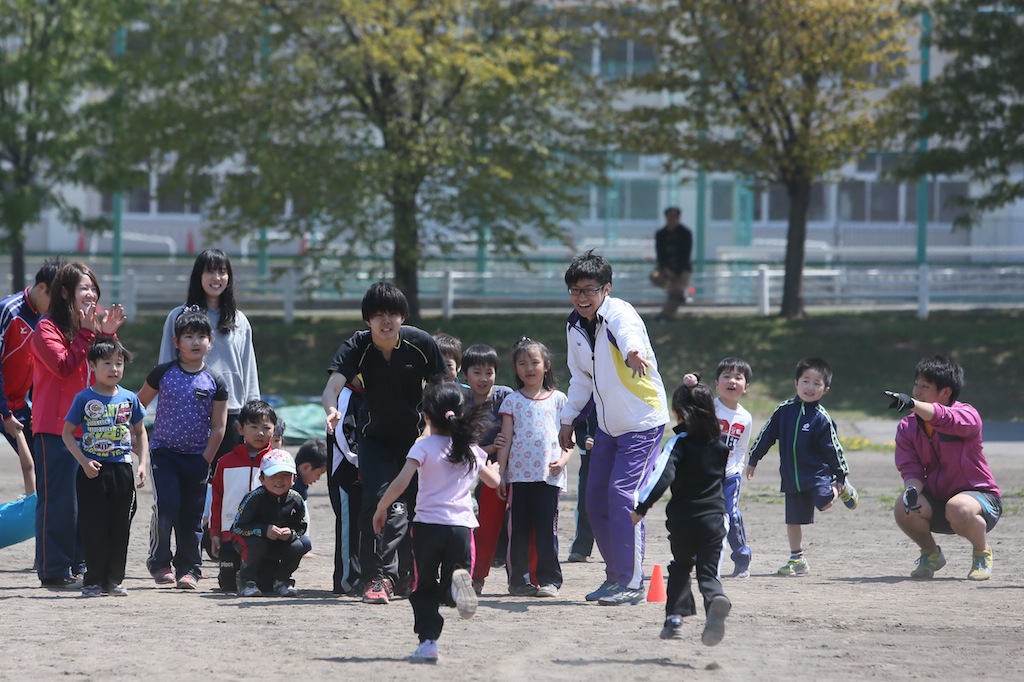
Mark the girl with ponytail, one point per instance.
(448, 462)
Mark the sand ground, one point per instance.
(858, 615)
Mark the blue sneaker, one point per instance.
(606, 588)
(622, 595)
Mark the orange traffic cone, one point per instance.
(656, 593)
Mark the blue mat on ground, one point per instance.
(17, 521)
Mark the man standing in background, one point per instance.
(672, 246)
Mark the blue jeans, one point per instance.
(179, 493)
(59, 551)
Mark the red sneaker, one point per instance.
(378, 591)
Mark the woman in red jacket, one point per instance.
(59, 347)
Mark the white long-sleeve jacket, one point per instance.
(624, 403)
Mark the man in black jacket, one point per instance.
(672, 245)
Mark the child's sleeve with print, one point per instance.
(831, 449)
(299, 522)
(765, 439)
(247, 523)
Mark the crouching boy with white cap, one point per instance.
(270, 522)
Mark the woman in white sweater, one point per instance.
(211, 287)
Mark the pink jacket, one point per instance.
(951, 460)
(59, 372)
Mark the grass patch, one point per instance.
(868, 352)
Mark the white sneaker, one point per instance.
(426, 652)
(547, 591)
(285, 589)
(463, 593)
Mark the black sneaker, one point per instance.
(65, 583)
(714, 628)
(673, 628)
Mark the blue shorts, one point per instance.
(991, 510)
(800, 506)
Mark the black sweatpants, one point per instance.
(694, 542)
(534, 512)
(379, 556)
(346, 494)
(437, 551)
(256, 551)
(106, 505)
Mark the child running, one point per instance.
(111, 421)
(733, 377)
(190, 421)
(693, 464)
(814, 471)
(447, 463)
(532, 464)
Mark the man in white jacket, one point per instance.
(610, 358)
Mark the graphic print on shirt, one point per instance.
(108, 427)
(731, 433)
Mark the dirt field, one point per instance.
(856, 616)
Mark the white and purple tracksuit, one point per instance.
(632, 412)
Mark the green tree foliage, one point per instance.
(55, 66)
(394, 126)
(974, 108)
(779, 91)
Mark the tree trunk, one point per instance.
(18, 259)
(799, 192)
(406, 246)
(16, 241)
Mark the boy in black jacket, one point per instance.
(693, 464)
(270, 523)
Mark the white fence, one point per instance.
(719, 286)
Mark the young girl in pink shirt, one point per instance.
(448, 463)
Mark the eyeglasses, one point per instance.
(589, 291)
(380, 317)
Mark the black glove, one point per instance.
(910, 502)
(900, 401)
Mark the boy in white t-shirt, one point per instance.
(732, 378)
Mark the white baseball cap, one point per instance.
(276, 461)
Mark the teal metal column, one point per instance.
(922, 145)
(701, 222)
(117, 245)
(264, 268)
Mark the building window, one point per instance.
(721, 200)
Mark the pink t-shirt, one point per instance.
(445, 489)
(534, 438)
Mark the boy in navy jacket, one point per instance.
(810, 457)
